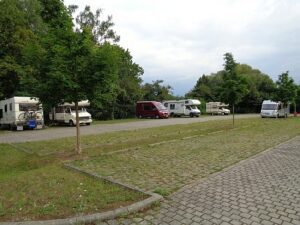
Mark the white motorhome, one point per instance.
(186, 107)
(217, 108)
(274, 109)
(65, 113)
(21, 112)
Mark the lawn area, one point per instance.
(34, 187)
(160, 159)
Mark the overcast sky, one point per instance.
(178, 41)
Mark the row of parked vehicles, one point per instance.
(18, 113)
(178, 108)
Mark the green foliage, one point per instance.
(157, 92)
(260, 87)
(297, 102)
(161, 191)
(42, 54)
(19, 26)
(234, 86)
(286, 88)
(129, 85)
(101, 29)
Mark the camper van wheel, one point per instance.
(71, 124)
(88, 124)
(191, 115)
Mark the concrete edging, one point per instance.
(97, 217)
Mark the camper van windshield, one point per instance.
(28, 107)
(82, 109)
(160, 106)
(269, 107)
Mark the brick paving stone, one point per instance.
(261, 190)
(296, 222)
(276, 221)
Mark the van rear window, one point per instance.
(28, 107)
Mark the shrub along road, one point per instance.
(49, 134)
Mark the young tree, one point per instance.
(286, 89)
(74, 67)
(234, 86)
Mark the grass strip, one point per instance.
(36, 188)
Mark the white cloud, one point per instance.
(178, 41)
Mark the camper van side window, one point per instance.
(186, 102)
(5, 108)
(1, 113)
(10, 106)
(147, 107)
(172, 106)
(59, 109)
(166, 105)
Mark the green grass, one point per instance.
(34, 187)
(163, 159)
(171, 165)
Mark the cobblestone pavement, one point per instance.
(261, 190)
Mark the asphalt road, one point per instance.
(61, 132)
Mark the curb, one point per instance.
(97, 217)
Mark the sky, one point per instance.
(179, 41)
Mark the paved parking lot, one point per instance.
(261, 190)
(61, 132)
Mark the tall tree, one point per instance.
(156, 91)
(286, 89)
(20, 23)
(129, 89)
(260, 86)
(234, 86)
(101, 29)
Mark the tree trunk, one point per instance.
(233, 115)
(295, 109)
(78, 146)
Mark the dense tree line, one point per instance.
(258, 87)
(44, 54)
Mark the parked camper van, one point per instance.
(274, 109)
(217, 108)
(21, 112)
(186, 107)
(151, 109)
(65, 113)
